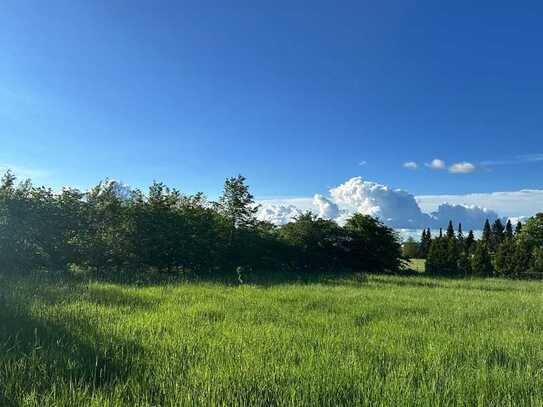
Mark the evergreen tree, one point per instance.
(425, 241)
(518, 228)
(450, 231)
(481, 262)
(497, 234)
(464, 263)
(504, 259)
(508, 230)
(451, 267)
(487, 234)
(469, 243)
(437, 260)
(460, 234)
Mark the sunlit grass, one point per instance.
(382, 340)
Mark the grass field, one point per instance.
(377, 340)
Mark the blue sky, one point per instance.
(295, 96)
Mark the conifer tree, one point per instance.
(469, 243)
(518, 228)
(481, 262)
(508, 230)
(497, 234)
(487, 233)
(460, 233)
(505, 257)
(450, 231)
(436, 262)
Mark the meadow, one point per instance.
(356, 340)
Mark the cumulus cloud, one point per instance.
(395, 207)
(525, 202)
(471, 216)
(462, 168)
(436, 164)
(278, 214)
(410, 165)
(327, 209)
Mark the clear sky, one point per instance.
(297, 96)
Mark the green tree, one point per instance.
(410, 248)
(481, 262)
(371, 246)
(469, 243)
(497, 234)
(487, 234)
(508, 230)
(450, 231)
(504, 258)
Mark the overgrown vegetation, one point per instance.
(112, 229)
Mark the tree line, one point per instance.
(500, 251)
(115, 229)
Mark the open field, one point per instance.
(381, 340)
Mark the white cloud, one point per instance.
(509, 204)
(278, 214)
(462, 168)
(411, 165)
(436, 164)
(402, 210)
(327, 209)
(362, 163)
(395, 207)
(471, 216)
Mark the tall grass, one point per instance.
(382, 340)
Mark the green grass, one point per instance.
(383, 340)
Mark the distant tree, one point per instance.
(425, 241)
(469, 243)
(437, 260)
(411, 248)
(497, 234)
(460, 234)
(487, 234)
(481, 262)
(504, 258)
(518, 228)
(453, 254)
(508, 230)
(450, 231)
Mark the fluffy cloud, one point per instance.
(471, 216)
(410, 165)
(395, 207)
(462, 168)
(327, 209)
(278, 214)
(436, 164)
(510, 204)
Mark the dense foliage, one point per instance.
(499, 252)
(112, 228)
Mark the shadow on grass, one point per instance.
(36, 353)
